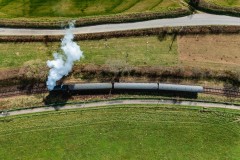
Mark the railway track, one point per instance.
(233, 93)
(17, 92)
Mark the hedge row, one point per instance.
(141, 32)
(215, 9)
(176, 72)
(119, 18)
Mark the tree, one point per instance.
(194, 2)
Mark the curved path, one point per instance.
(121, 102)
(192, 20)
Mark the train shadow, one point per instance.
(168, 94)
(57, 99)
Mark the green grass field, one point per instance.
(131, 50)
(226, 3)
(122, 132)
(76, 8)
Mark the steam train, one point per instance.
(154, 88)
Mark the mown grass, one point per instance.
(122, 132)
(225, 3)
(134, 51)
(76, 8)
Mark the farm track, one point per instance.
(201, 19)
(120, 102)
(233, 93)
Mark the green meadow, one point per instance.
(123, 132)
(80, 8)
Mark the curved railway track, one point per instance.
(233, 93)
(17, 92)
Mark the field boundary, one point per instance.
(105, 19)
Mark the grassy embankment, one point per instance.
(225, 3)
(41, 10)
(123, 132)
(37, 100)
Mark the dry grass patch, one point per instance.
(210, 51)
(23, 101)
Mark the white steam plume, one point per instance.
(63, 63)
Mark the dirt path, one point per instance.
(120, 102)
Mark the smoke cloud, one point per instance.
(63, 63)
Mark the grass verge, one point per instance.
(39, 100)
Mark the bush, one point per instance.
(177, 72)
